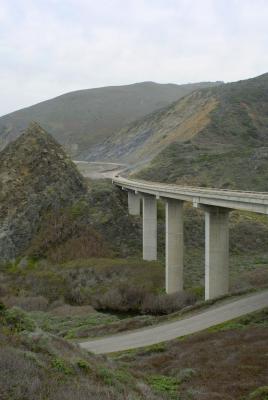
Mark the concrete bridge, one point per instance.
(216, 204)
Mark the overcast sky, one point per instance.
(49, 47)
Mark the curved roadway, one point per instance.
(232, 199)
(171, 330)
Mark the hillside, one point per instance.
(63, 286)
(212, 137)
(83, 118)
(231, 151)
(35, 364)
(142, 140)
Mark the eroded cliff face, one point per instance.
(36, 176)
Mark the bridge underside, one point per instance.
(216, 242)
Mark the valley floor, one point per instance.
(99, 170)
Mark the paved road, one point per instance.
(171, 330)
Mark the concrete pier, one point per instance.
(149, 228)
(174, 245)
(216, 252)
(134, 203)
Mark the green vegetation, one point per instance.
(84, 365)
(60, 365)
(164, 384)
(70, 326)
(255, 319)
(259, 394)
(242, 168)
(16, 319)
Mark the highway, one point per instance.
(232, 199)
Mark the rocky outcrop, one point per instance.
(36, 177)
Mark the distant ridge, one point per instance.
(83, 118)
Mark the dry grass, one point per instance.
(226, 364)
(30, 303)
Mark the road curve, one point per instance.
(171, 330)
(99, 170)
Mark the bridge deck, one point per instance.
(233, 199)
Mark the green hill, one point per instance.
(83, 118)
(230, 150)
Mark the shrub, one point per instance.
(122, 299)
(18, 320)
(60, 365)
(259, 394)
(164, 384)
(84, 365)
(132, 299)
(105, 375)
(167, 303)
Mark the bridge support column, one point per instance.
(149, 227)
(174, 245)
(134, 202)
(216, 252)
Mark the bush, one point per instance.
(60, 365)
(132, 299)
(84, 365)
(18, 321)
(167, 303)
(121, 299)
(164, 384)
(259, 394)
